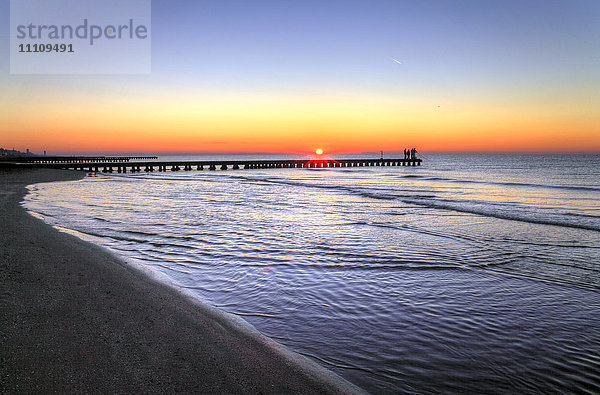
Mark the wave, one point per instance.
(185, 177)
(455, 206)
(139, 233)
(432, 201)
(264, 315)
(546, 279)
(512, 184)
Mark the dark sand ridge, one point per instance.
(75, 318)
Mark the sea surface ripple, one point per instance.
(470, 273)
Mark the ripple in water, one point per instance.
(428, 279)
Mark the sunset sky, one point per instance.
(348, 76)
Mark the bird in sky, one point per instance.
(396, 60)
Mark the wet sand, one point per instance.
(75, 318)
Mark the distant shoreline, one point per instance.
(77, 319)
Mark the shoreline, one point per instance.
(77, 318)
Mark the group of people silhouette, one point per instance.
(410, 153)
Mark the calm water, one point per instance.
(471, 273)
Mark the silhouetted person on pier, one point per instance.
(413, 153)
(405, 153)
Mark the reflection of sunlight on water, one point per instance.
(387, 285)
(81, 235)
(37, 215)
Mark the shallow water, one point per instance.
(470, 273)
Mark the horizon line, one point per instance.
(390, 152)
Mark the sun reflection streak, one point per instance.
(320, 160)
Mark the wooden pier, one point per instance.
(78, 159)
(126, 166)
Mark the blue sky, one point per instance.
(506, 56)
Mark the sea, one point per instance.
(470, 273)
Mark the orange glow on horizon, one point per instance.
(271, 124)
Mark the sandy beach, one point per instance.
(75, 318)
